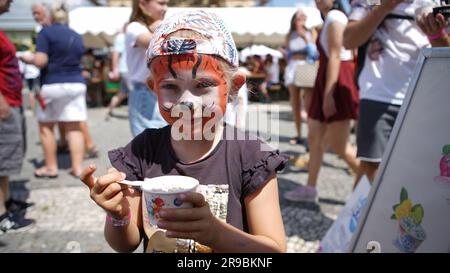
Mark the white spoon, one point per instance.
(132, 183)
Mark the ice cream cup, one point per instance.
(163, 191)
(410, 235)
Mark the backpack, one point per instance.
(362, 50)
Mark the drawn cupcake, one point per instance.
(409, 216)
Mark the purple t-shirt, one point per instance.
(240, 164)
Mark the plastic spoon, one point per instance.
(132, 183)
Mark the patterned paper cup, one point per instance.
(161, 192)
(410, 235)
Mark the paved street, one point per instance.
(67, 220)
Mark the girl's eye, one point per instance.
(206, 84)
(169, 86)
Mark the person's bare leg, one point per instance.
(338, 134)
(295, 99)
(316, 134)
(116, 100)
(307, 97)
(369, 169)
(88, 142)
(265, 91)
(76, 145)
(49, 145)
(4, 193)
(32, 102)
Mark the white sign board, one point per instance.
(408, 209)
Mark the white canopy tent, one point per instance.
(260, 50)
(254, 25)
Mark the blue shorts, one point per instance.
(143, 109)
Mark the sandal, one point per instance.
(91, 153)
(40, 173)
(296, 140)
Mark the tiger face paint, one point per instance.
(192, 82)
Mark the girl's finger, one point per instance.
(197, 199)
(105, 180)
(181, 214)
(192, 226)
(115, 204)
(432, 23)
(87, 176)
(440, 19)
(112, 189)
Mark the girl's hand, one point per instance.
(195, 223)
(329, 107)
(106, 192)
(431, 25)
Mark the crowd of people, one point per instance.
(353, 70)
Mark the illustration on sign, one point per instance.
(410, 234)
(444, 166)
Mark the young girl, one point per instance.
(334, 102)
(142, 108)
(298, 42)
(193, 69)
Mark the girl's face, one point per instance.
(300, 19)
(156, 9)
(192, 84)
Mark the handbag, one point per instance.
(305, 74)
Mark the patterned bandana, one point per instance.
(219, 41)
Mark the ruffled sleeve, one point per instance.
(258, 167)
(129, 159)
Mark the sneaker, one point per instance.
(15, 206)
(302, 194)
(11, 223)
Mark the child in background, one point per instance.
(193, 65)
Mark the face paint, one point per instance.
(190, 82)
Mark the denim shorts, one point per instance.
(143, 109)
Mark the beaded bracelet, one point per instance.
(119, 222)
(436, 36)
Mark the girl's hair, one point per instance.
(137, 15)
(292, 26)
(59, 15)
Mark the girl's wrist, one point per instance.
(118, 221)
(220, 232)
(438, 35)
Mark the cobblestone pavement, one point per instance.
(68, 221)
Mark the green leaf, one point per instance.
(403, 195)
(395, 206)
(446, 149)
(417, 213)
(393, 217)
